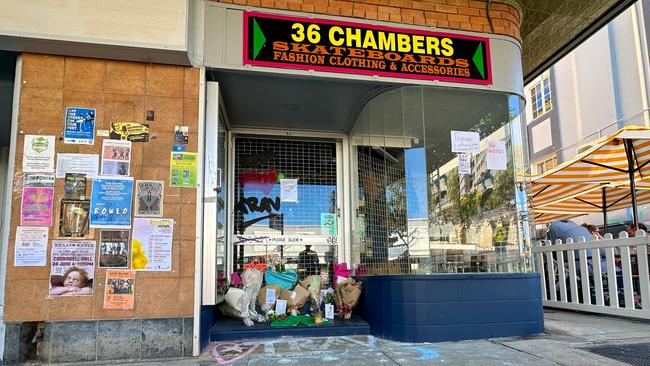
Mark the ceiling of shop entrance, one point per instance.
(550, 29)
(284, 102)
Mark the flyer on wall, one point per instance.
(182, 170)
(114, 249)
(116, 157)
(73, 218)
(149, 198)
(30, 248)
(110, 202)
(75, 186)
(152, 244)
(38, 180)
(36, 206)
(87, 164)
(119, 292)
(73, 268)
(38, 154)
(79, 126)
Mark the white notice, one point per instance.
(464, 164)
(77, 163)
(281, 307)
(38, 154)
(270, 296)
(329, 311)
(289, 190)
(496, 155)
(465, 142)
(31, 246)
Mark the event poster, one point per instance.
(31, 246)
(73, 219)
(36, 207)
(181, 135)
(119, 292)
(114, 249)
(87, 164)
(496, 155)
(110, 203)
(79, 126)
(74, 186)
(149, 198)
(38, 180)
(73, 268)
(116, 157)
(152, 244)
(182, 170)
(38, 154)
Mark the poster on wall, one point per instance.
(87, 164)
(152, 244)
(465, 142)
(129, 131)
(116, 157)
(110, 202)
(149, 198)
(38, 154)
(74, 187)
(73, 268)
(289, 190)
(496, 155)
(464, 164)
(181, 135)
(114, 249)
(38, 180)
(79, 126)
(73, 218)
(119, 292)
(182, 170)
(36, 206)
(30, 248)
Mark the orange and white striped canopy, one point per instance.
(615, 198)
(542, 217)
(604, 163)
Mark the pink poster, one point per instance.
(36, 208)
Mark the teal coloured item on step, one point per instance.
(286, 279)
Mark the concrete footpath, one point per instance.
(564, 342)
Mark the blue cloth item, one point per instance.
(284, 279)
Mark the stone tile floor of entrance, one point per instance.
(565, 342)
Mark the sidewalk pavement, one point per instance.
(566, 335)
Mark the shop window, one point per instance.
(417, 210)
(540, 96)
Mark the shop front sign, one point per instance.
(326, 45)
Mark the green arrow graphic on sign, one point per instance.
(258, 39)
(478, 60)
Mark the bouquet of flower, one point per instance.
(345, 311)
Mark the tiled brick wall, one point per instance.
(118, 91)
(450, 14)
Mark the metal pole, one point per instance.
(604, 212)
(630, 171)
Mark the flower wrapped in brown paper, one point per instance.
(295, 299)
(261, 296)
(347, 292)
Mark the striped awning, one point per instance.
(616, 197)
(541, 217)
(604, 163)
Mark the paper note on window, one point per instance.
(281, 307)
(329, 311)
(289, 190)
(465, 142)
(464, 164)
(496, 155)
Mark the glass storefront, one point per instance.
(415, 208)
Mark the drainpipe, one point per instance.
(641, 52)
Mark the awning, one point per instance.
(540, 217)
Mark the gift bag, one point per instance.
(347, 292)
(296, 298)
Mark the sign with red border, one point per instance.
(334, 46)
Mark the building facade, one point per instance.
(257, 127)
(592, 92)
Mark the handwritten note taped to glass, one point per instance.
(465, 142)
